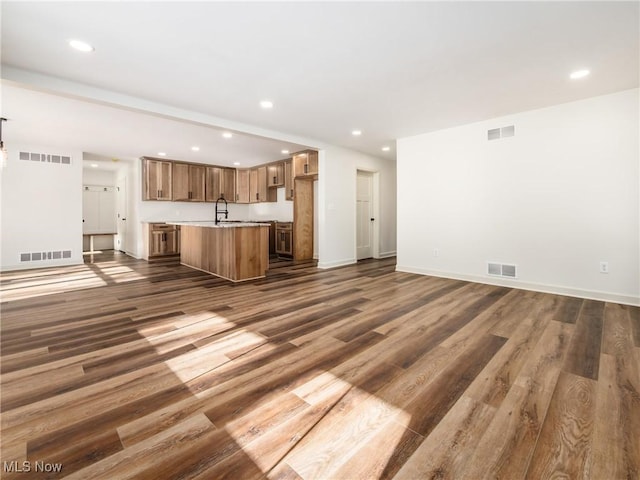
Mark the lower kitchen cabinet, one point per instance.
(161, 240)
(284, 238)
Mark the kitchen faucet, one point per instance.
(225, 211)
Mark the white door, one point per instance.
(364, 215)
(121, 214)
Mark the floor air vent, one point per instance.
(44, 256)
(46, 157)
(501, 270)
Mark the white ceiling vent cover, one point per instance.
(501, 270)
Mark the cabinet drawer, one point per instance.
(284, 226)
(163, 226)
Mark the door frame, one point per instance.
(121, 181)
(375, 208)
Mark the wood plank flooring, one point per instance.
(121, 369)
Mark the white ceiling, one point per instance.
(390, 69)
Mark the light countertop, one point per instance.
(222, 224)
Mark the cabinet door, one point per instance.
(157, 180)
(262, 184)
(157, 245)
(90, 210)
(171, 242)
(305, 163)
(275, 174)
(196, 183)
(288, 180)
(243, 190)
(228, 184)
(283, 242)
(254, 189)
(180, 182)
(165, 181)
(107, 210)
(212, 186)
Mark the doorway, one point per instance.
(365, 215)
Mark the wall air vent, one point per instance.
(498, 133)
(493, 134)
(509, 131)
(44, 256)
(46, 157)
(501, 270)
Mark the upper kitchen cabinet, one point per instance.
(188, 182)
(305, 164)
(243, 191)
(156, 179)
(220, 183)
(288, 180)
(275, 174)
(258, 187)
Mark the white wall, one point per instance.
(556, 199)
(92, 176)
(337, 205)
(41, 205)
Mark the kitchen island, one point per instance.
(236, 251)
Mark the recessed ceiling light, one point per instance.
(579, 74)
(162, 154)
(81, 46)
(236, 163)
(195, 149)
(386, 149)
(94, 165)
(227, 134)
(356, 133)
(266, 104)
(284, 152)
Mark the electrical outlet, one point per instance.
(604, 267)
(436, 252)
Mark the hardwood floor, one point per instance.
(124, 369)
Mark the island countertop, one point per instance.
(222, 224)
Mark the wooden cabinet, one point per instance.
(284, 238)
(254, 191)
(305, 163)
(220, 183)
(288, 180)
(258, 188)
(156, 179)
(243, 190)
(275, 174)
(188, 182)
(228, 184)
(303, 219)
(161, 240)
(262, 184)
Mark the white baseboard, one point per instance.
(387, 254)
(337, 263)
(40, 264)
(536, 287)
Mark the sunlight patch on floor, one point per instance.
(351, 421)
